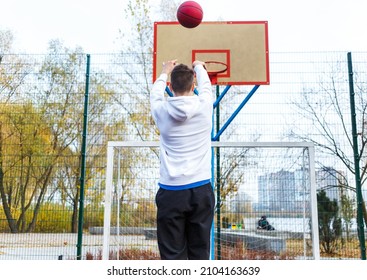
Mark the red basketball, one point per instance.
(189, 14)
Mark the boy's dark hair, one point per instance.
(182, 78)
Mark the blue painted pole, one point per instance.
(220, 97)
(249, 95)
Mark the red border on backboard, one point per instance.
(228, 59)
(267, 82)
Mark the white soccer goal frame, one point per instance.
(111, 145)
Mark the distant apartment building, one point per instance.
(241, 203)
(276, 191)
(289, 191)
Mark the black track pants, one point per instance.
(184, 221)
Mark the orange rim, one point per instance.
(214, 73)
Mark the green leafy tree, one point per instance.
(13, 68)
(137, 40)
(24, 161)
(61, 99)
(24, 141)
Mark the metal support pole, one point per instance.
(220, 97)
(249, 95)
(360, 223)
(108, 203)
(83, 164)
(313, 198)
(169, 92)
(219, 247)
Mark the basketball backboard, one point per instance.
(241, 45)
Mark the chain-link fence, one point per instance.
(41, 123)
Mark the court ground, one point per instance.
(52, 246)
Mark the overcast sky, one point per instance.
(332, 25)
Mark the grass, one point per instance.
(346, 250)
(295, 250)
(126, 254)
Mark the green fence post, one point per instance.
(360, 222)
(83, 161)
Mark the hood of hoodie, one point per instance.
(182, 108)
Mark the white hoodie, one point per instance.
(185, 125)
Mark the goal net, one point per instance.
(275, 180)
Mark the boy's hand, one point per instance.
(198, 62)
(168, 66)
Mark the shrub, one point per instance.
(330, 224)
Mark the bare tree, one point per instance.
(326, 109)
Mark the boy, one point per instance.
(185, 199)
